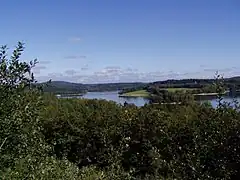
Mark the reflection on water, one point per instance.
(139, 101)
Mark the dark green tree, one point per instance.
(23, 151)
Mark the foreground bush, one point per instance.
(24, 154)
(183, 142)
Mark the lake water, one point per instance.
(113, 96)
(139, 101)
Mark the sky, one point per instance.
(100, 41)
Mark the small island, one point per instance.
(172, 91)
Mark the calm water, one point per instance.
(113, 96)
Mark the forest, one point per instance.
(196, 83)
(62, 87)
(43, 137)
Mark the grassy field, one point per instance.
(140, 93)
(178, 89)
(144, 93)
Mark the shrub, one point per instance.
(183, 142)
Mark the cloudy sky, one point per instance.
(92, 41)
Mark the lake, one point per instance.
(113, 96)
(138, 101)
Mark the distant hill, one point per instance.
(235, 79)
(68, 87)
(195, 83)
(60, 87)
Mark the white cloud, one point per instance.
(75, 57)
(74, 39)
(117, 74)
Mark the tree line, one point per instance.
(62, 87)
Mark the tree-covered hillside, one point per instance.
(195, 83)
(68, 87)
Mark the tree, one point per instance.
(23, 151)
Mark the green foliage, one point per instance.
(194, 83)
(165, 96)
(62, 87)
(24, 154)
(165, 141)
(18, 109)
(84, 126)
(47, 168)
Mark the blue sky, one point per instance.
(93, 41)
